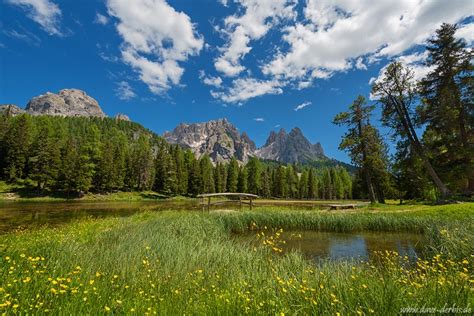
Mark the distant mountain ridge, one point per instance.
(221, 141)
(218, 138)
(293, 147)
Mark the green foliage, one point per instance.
(447, 108)
(74, 156)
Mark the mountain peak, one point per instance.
(290, 148)
(219, 139)
(67, 102)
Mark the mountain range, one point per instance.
(217, 138)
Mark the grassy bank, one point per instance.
(27, 193)
(177, 263)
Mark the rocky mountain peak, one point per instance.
(122, 117)
(10, 109)
(67, 102)
(218, 138)
(289, 148)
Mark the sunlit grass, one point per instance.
(182, 263)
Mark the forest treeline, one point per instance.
(439, 164)
(78, 155)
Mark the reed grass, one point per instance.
(189, 263)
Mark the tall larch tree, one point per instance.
(448, 108)
(397, 93)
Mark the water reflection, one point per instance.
(349, 246)
(26, 215)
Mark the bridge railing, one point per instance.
(243, 198)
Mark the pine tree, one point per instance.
(181, 173)
(337, 184)
(242, 180)
(254, 174)
(280, 184)
(326, 185)
(266, 183)
(45, 155)
(346, 182)
(69, 166)
(364, 145)
(220, 176)
(303, 185)
(17, 143)
(142, 163)
(291, 182)
(397, 94)
(448, 109)
(207, 175)
(232, 175)
(194, 175)
(312, 185)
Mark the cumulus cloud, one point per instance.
(243, 89)
(156, 39)
(209, 80)
(258, 17)
(259, 119)
(302, 106)
(101, 19)
(44, 12)
(336, 32)
(466, 32)
(415, 61)
(124, 91)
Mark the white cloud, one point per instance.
(101, 19)
(209, 80)
(124, 91)
(247, 88)
(155, 38)
(414, 61)
(259, 119)
(44, 12)
(466, 32)
(336, 32)
(258, 17)
(302, 106)
(360, 64)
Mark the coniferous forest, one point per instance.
(79, 155)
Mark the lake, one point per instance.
(14, 215)
(317, 246)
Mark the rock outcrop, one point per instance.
(67, 102)
(219, 139)
(11, 109)
(122, 117)
(290, 148)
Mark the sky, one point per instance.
(262, 64)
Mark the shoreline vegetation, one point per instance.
(188, 262)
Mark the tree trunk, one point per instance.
(417, 147)
(366, 169)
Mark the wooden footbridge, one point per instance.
(240, 198)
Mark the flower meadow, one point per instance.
(189, 263)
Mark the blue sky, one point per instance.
(262, 64)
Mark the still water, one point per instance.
(347, 246)
(14, 215)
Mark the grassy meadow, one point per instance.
(191, 263)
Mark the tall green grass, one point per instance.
(188, 263)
